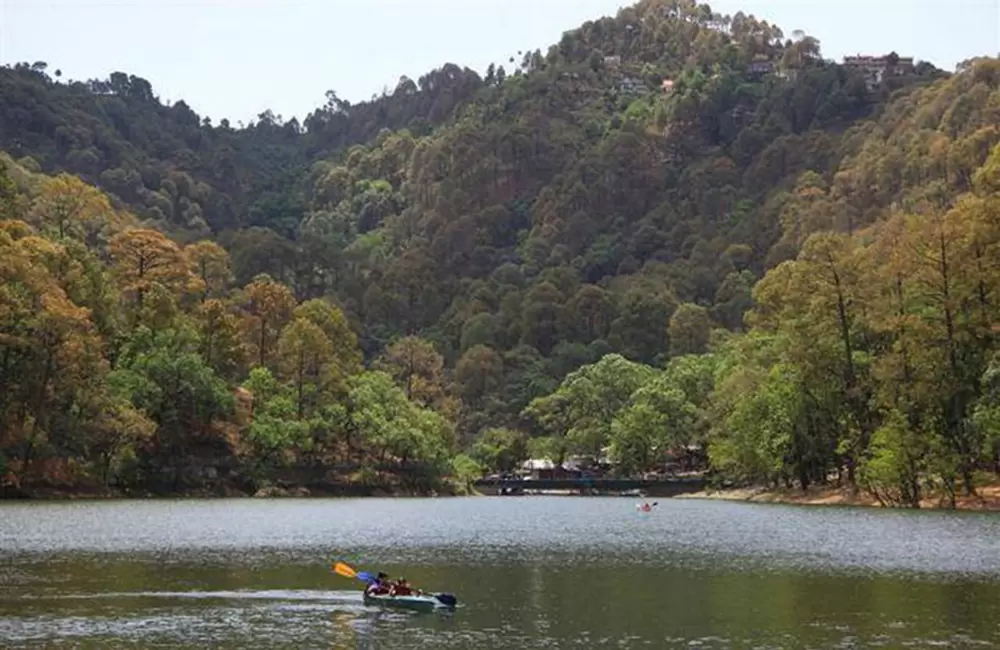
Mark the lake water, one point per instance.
(529, 572)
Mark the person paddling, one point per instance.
(380, 585)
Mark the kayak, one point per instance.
(421, 603)
(425, 603)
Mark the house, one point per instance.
(632, 86)
(760, 67)
(738, 113)
(543, 469)
(874, 69)
(788, 74)
(689, 458)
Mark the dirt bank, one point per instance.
(988, 498)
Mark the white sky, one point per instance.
(233, 58)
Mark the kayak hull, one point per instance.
(418, 603)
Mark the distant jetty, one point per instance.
(661, 487)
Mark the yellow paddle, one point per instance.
(348, 572)
(342, 569)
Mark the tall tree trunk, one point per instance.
(852, 390)
(263, 334)
(954, 423)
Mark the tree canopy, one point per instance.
(765, 256)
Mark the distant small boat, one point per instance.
(646, 507)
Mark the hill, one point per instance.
(610, 206)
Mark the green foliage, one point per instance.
(658, 418)
(276, 427)
(466, 471)
(896, 463)
(804, 256)
(758, 432)
(585, 404)
(551, 448)
(380, 416)
(126, 355)
(499, 449)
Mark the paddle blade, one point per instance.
(364, 575)
(342, 569)
(447, 600)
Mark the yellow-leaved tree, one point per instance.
(268, 306)
(210, 263)
(143, 259)
(68, 207)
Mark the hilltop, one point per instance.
(612, 204)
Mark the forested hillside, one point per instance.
(559, 257)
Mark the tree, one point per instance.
(552, 448)
(70, 206)
(142, 257)
(499, 449)
(640, 331)
(815, 300)
(591, 310)
(117, 430)
(304, 357)
(466, 470)
(541, 316)
(268, 307)
(479, 373)
(12, 203)
(210, 264)
(163, 375)
(48, 349)
(756, 424)
(418, 368)
(330, 319)
(588, 400)
(379, 415)
(658, 418)
(274, 430)
(220, 343)
(690, 330)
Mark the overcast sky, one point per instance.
(236, 58)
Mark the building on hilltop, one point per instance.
(875, 69)
(630, 85)
(760, 66)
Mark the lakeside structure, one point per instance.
(682, 473)
(659, 487)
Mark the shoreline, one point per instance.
(988, 499)
(52, 494)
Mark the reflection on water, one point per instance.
(529, 572)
